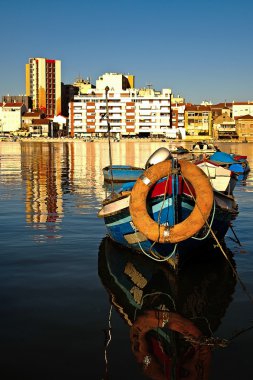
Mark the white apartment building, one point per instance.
(11, 116)
(143, 112)
(241, 109)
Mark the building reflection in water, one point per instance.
(42, 172)
(10, 164)
(52, 174)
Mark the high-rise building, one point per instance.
(43, 84)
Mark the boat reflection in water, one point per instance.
(172, 316)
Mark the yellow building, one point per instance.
(198, 120)
(224, 127)
(244, 127)
(43, 84)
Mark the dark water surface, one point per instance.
(55, 288)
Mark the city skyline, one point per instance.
(201, 50)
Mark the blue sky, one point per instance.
(202, 50)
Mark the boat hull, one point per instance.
(121, 229)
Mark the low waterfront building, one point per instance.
(224, 127)
(28, 117)
(11, 117)
(198, 120)
(244, 127)
(40, 127)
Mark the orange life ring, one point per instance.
(188, 227)
(196, 361)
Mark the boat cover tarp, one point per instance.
(222, 157)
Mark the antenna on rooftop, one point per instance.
(149, 85)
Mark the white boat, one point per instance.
(203, 147)
(222, 179)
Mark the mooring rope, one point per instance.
(219, 245)
(154, 256)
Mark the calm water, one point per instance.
(55, 288)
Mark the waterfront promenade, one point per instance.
(187, 140)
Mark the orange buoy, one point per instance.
(188, 227)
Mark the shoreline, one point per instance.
(146, 139)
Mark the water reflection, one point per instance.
(10, 165)
(53, 179)
(172, 317)
(48, 175)
(41, 171)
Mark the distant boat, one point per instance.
(121, 173)
(203, 147)
(177, 149)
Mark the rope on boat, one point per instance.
(211, 223)
(154, 256)
(220, 246)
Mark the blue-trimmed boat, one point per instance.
(236, 163)
(121, 173)
(170, 210)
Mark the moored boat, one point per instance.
(201, 147)
(172, 208)
(222, 179)
(121, 173)
(177, 149)
(237, 164)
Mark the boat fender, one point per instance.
(188, 227)
(196, 361)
